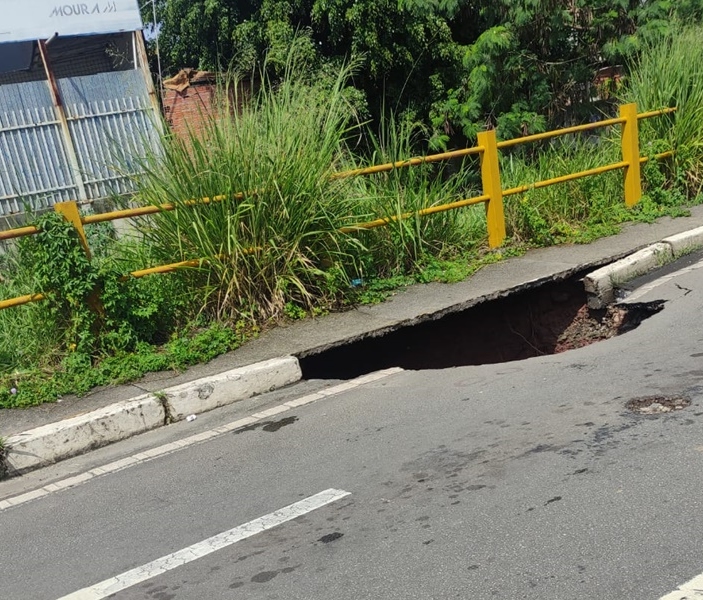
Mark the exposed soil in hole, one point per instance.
(654, 405)
(547, 320)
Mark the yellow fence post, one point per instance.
(490, 175)
(631, 154)
(69, 211)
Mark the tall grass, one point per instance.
(406, 243)
(668, 72)
(275, 238)
(574, 211)
(28, 333)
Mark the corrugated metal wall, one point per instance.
(34, 168)
(111, 120)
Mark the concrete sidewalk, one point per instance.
(407, 307)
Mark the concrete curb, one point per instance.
(52, 443)
(237, 384)
(600, 284)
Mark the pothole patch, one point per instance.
(655, 405)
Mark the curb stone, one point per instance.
(600, 284)
(237, 384)
(52, 443)
(684, 243)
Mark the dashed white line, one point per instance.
(166, 563)
(198, 438)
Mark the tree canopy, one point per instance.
(460, 65)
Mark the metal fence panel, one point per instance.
(112, 123)
(34, 169)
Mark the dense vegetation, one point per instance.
(457, 65)
(274, 247)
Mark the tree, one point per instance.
(462, 65)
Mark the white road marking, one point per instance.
(198, 438)
(218, 542)
(691, 590)
(645, 289)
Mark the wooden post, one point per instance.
(143, 66)
(490, 175)
(61, 117)
(631, 154)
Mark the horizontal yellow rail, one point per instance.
(418, 160)
(18, 232)
(656, 113)
(21, 300)
(558, 132)
(659, 156)
(418, 213)
(547, 182)
(142, 211)
(166, 268)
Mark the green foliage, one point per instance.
(455, 64)
(65, 275)
(78, 373)
(294, 312)
(410, 237)
(28, 334)
(95, 327)
(669, 72)
(279, 241)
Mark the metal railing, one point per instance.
(493, 193)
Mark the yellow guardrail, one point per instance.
(493, 193)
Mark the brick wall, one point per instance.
(187, 110)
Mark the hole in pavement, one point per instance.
(549, 319)
(655, 405)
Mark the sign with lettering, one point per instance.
(41, 19)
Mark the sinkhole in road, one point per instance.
(547, 319)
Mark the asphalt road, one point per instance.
(526, 480)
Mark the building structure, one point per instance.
(78, 106)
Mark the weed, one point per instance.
(4, 467)
(274, 238)
(294, 312)
(668, 72)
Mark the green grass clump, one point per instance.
(582, 210)
(405, 245)
(275, 238)
(668, 72)
(78, 373)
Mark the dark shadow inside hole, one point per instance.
(549, 319)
